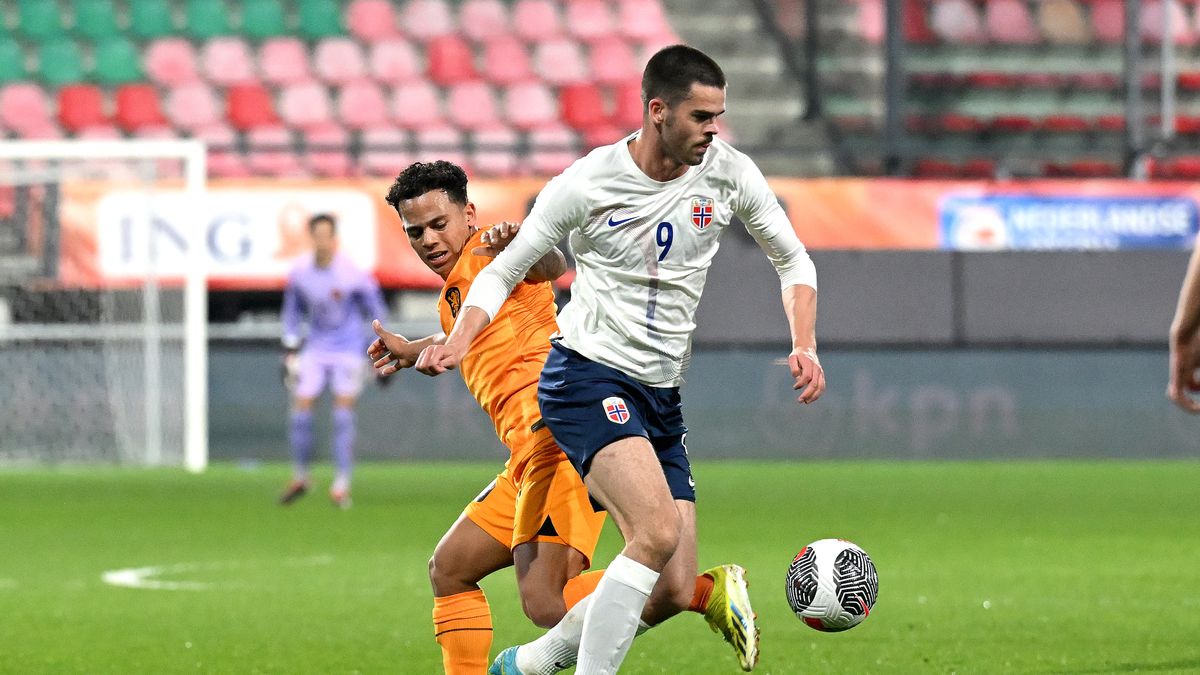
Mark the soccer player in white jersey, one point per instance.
(643, 216)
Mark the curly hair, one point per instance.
(422, 177)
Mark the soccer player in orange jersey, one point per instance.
(537, 513)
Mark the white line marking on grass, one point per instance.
(145, 577)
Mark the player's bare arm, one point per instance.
(496, 238)
(1185, 340)
(391, 352)
(800, 305)
(438, 358)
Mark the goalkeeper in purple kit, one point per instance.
(337, 301)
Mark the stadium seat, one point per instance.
(327, 151)
(272, 151)
(395, 61)
(440, 142)
(613, 62)
(916, 24)
(642, 19)
(552, 149)
(483, 20)
(149, 19)
(192, 106)
(362, 105)
(1065, 124)
(1009, 22)
(23, 109)
(1110, 123)
(1185, 168)
(1190, 81)
(604, 134)
(416, 105)
(263, 19)
(101, 132)
(305, 104)
(170, 62)
(12, 61)
(386, 151)
(1151, 22)
(589, 19)
(117, 62)
(582, 106)
(339, 60)
(957, 22)
(627, 105)
(931, 167)
(872, 21)
(978, 169)
(451, 60)
(60, 62)
(249, 106)
(424, 20)
(560, 62)
(506, 61)
(472, 106)
(81, 106)
(1063, 22)
(39, 19)
(227, 61)
(536, 20)
(138, 107)
(224, 159)
(319, 19)
(96, 19)
(371, 20)
(206, 18)
(494, 152)
(1108, 20)
(283, 61)
(530, 105)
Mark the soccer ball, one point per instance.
(832, 585)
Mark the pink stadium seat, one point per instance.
(560, 61)
(272, 152)
(224, 160)
(442, 142)
(872, 22)
(170, 62)
(589, 19)
(627, 105)
(552, 150)
(138, 108)
(416, 105)
(395, 61)
(530, 105)
(371, 20)
(605, 134)
(23, 108)
(451, 60)
(582, 106)
(81, 106)
(385, 151)
(284, 61)
(1151, 20)
(361, 105)
(305, 105)
(41, 132)
(482, 20)
(249, 106)
(192, 106)
(506, 61)
(339, 60)
(472, 106)
(916, 23)
(494, 152)
(327, 151)
(642, 19)
(536, 20)
(1009, 22)
(427, 19)
(227, 61)
(613, 62)
(957, 22)
(1108, 20)
(102, 132)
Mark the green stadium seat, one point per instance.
(262, 19)
(320, 18)
(60, 62)
(12, 61)
(207, 18)
(96, 19)
(150, 19)
(118, 62)
(39, 19)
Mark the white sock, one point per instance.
(614, 616)
(558, 649)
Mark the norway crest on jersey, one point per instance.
(702, 212)
(615, 409)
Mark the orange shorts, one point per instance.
(547, 503)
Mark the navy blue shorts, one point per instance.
(588, 406)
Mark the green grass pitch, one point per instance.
(1051, 567)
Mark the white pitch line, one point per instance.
(145, 577)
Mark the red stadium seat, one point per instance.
(227, 61)
(978, 168)
(428, 19)
(482, 20)
(249, 106)
(916, 24)
(339, 60)
(395, 61)
(530, 105)
(536, 20)
(494, 152)
(416, 105)
(627, 105)
(613, 62)
(928, 167)
(273, 152)
(451, 60)
(385, 151)
(1108, 20)
(582, 106)
(441, 142)
(1187, 125)
(642, 19)
(552, 150)
(371, 20)
(959, 123)
(1185, 168)
(957, 22)
(1012, 124)
(589, 19)
(1189, 81)
(139, 108)
(506, 61)
(472, 106)
(361, 105)
(81, 106)
(170, 62)
(560, 61)
(327, 151)
(1111, 123)
(284, 61)
(305, 105)
(193, 106)
(1065, 124)
(1009, 22)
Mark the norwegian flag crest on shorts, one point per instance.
(615, 410)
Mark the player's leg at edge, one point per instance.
(300, 439)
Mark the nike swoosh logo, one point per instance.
(561, 666)
(618, 223)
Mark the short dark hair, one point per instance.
(671, 72)
(319, 218)
(422, 177)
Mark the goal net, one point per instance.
(103, 303)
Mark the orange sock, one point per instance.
(462, 625)
(704, 586)
(579, 587)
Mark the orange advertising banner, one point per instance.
(254, 229)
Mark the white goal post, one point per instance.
(43, 163)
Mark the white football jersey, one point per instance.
(642, 251)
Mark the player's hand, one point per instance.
(390, 351)
(290, 369)
(496, 238)
(810, 377)
(437, 359)
(1183, 382)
